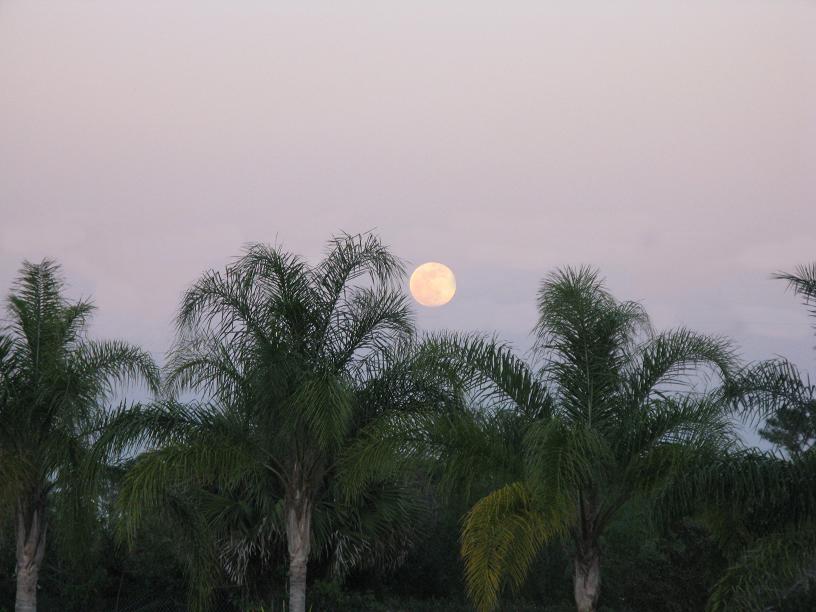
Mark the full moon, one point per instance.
(433, 284)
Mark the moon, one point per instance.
(433, 284)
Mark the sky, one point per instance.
(670, 144)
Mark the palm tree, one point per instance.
(763, 505)
(290, 361)
(613, 412)
(54, 384)
(791, 412)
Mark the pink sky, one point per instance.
(672, 144)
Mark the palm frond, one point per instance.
(349, 257)
(36, 303)
(758, 486)
(671, 361)
(585, 336)
(145, 426)
(325, 406)
(501, 536)
(203, 362)
(803, 283)
(491, 372)
(229, 303)
(113, 362)
(762, 389)
(562, 459)
(458, 448)
(279, 284)
(771, 569)
(367, 321)
(156, 474)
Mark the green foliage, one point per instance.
(291, 362)
(310, 380)
(803, 283)
(502, 535)
(614, 411)
(763, 507)
(792, 427)
(55, 384)
(777, 391)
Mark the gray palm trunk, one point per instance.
(587, 562)
(31, 529)
(298, 539)
(587, 576)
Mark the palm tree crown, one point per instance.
(291, 361)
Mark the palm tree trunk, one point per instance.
(587, 576)
(298, 538)
(30, 552)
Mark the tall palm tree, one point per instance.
(54, 386)
(613, 411)
(290, 361)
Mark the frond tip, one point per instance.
(501, 536)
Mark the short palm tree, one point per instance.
(54, 386)
(762, 505)
(290, 361)
(613, 412)
(778, 391)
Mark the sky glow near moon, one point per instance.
(626, 143)
(433, 284)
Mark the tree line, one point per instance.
(301, 423)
